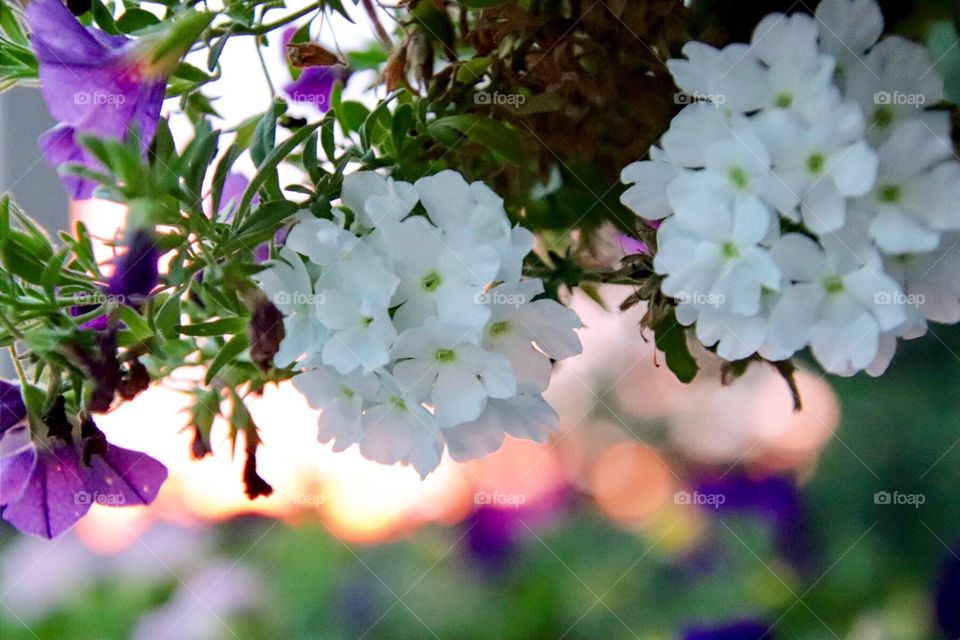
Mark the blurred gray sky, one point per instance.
(31, 182)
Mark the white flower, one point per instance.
(647, 197)
(362, 333)
(377, 200)
(817, 167)
(691, 131)
(518, 321)
(472, 215)
(917, 193)
(341, 399)
(837, 304)
(438, 363)
(409, 326)
(798, 75)
(396, 428)
(931, 282)
(736, 170)
(730, 78)
(896, 82)
(526, 416)
(716, 255)
(436, 279)
(736, 336)
(848, 28)
(287, 285)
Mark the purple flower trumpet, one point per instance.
(48, 483)
(99, 84)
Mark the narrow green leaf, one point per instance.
(230, 351)
(671, 338)
(222, 327)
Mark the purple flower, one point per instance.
(742, 630)
(94, 84)
(631, 245)
(45, 487)
(315, 84)
(773, 498)
(948, 597)
(135, 271)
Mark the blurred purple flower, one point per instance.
(94, 84)
(742, 630)
(44, 486)
(315, 84)
(774, 498)
(631, 245)
(135, 272)
(948, 597)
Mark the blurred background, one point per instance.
(660, 510)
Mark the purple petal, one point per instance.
(631, 245)
(18, 456)
(744, 630)
(122, 477)
(58, 38)
(55, 496)
(315, 85)
(12, 409)
(136, 270)
(58, 147)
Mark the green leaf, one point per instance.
(10, 26)
(403, 122)
(671, 338)
(372, 58)
(233, 348)
(168, 318)
(215, 50)
(221, 327)
(50, 278)
(136, 325)
(268, 169)
(268, 215)
(264, 137)
(220, 174)
(480, 4)
(504, 140)
(136, 19)
(103, 18)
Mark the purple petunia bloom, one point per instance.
(315, 84)
(45, 487)
(773, 498)
(136, 272)
(742, 630)
(94, 84)
(948, 596)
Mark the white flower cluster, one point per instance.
(808, 196)
(417, 332)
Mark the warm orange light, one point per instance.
(630, 482)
